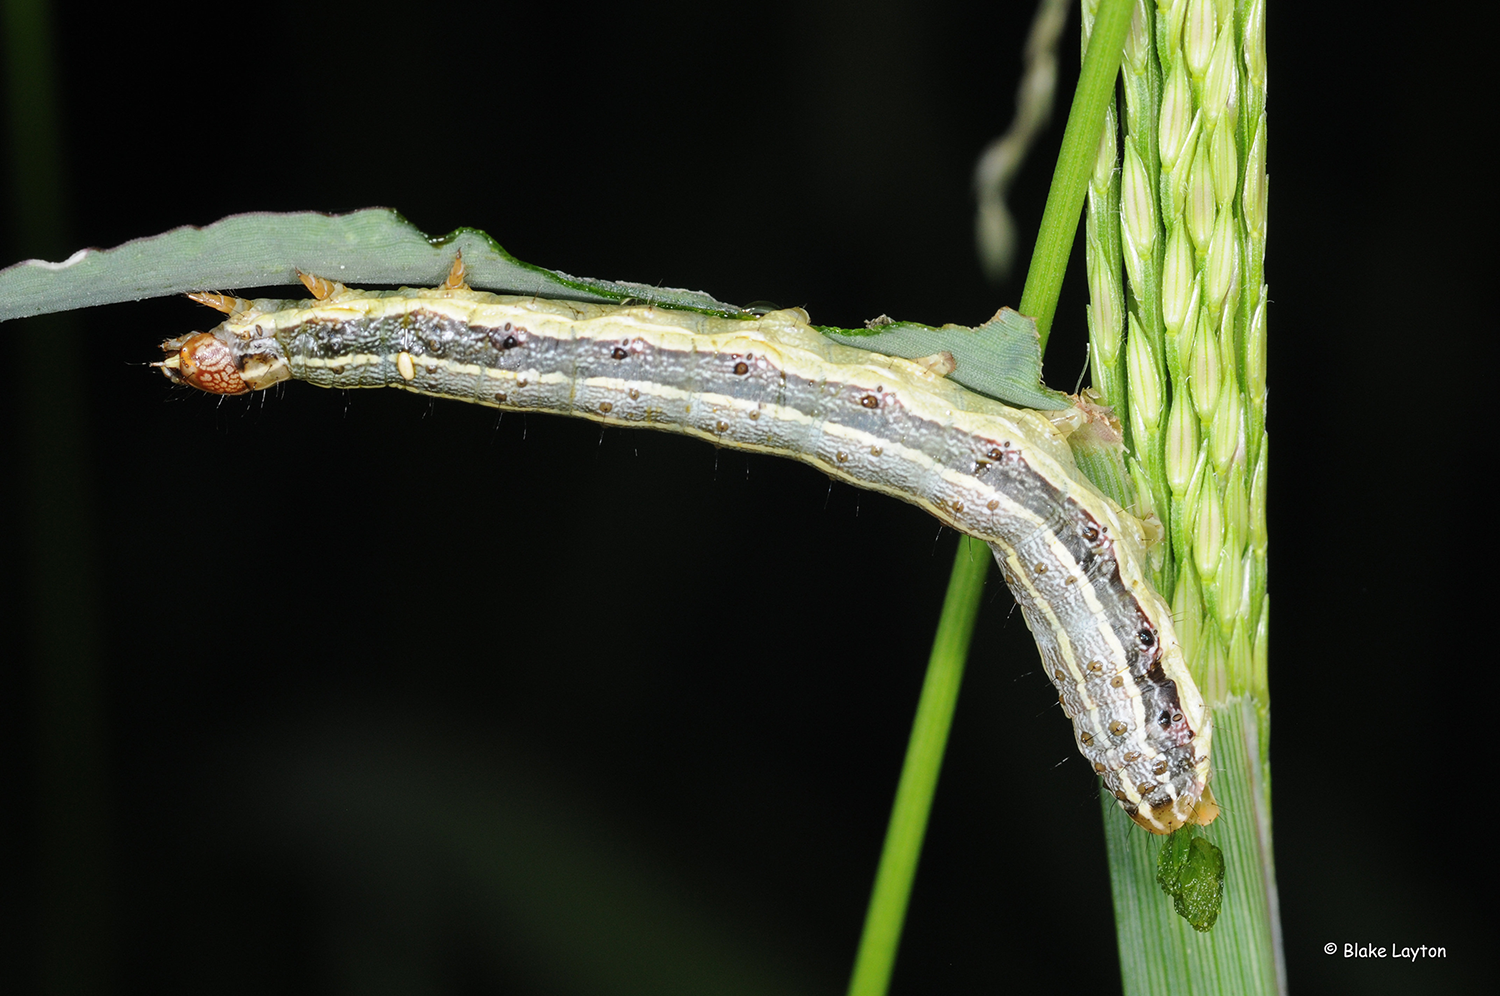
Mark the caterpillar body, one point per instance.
(1074, 560)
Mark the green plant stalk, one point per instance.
(1075, 165)
(886, 913)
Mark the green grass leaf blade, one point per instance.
(373, 246)
(1001, 358)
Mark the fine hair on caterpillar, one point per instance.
(1075, 561)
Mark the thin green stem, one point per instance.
(1075, 164)
(919, 773)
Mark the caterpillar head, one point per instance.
(223, 363)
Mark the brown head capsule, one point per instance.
(203, 361)
(224, 364)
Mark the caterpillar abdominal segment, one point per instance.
(1074, 560)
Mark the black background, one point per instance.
(399, 696)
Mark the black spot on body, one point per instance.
(507, 337)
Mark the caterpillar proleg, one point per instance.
(1073, 559)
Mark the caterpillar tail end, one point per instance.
(1207, 809)
(1169, 818)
